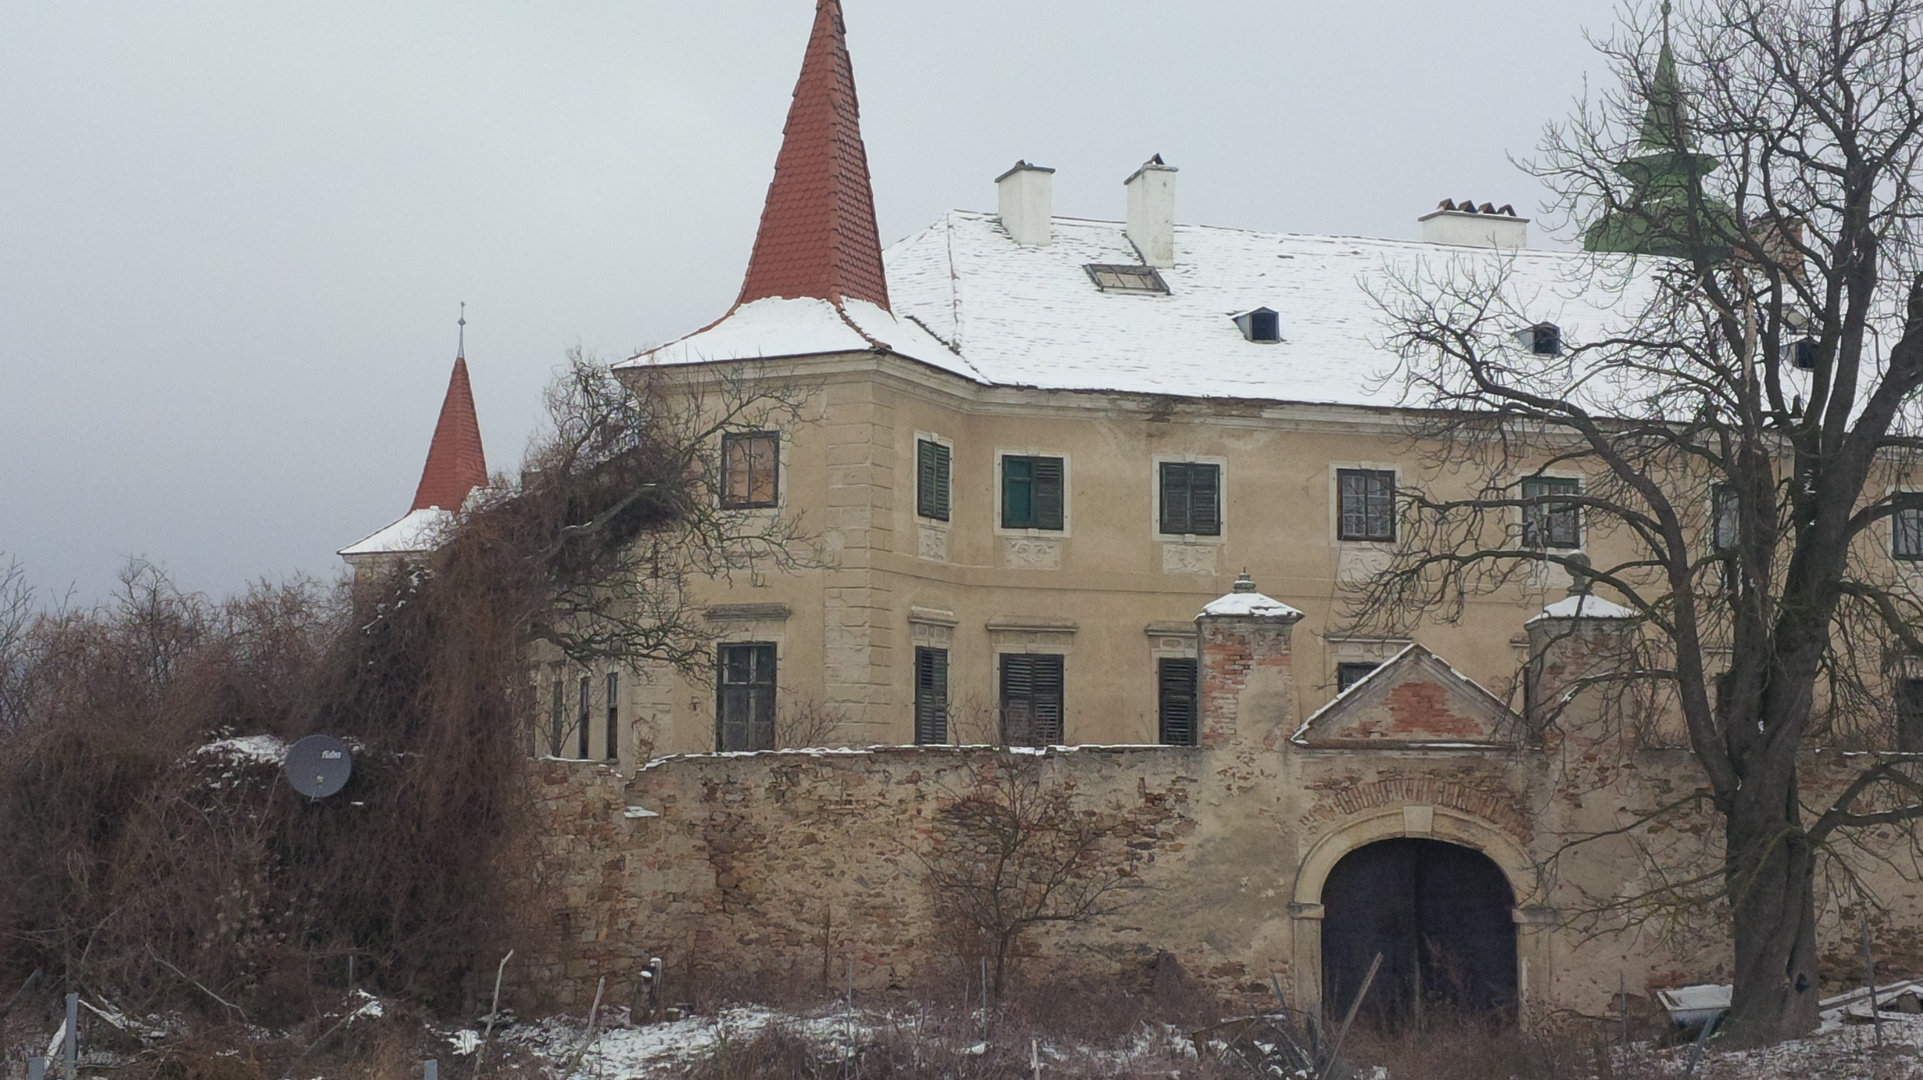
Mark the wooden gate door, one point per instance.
(1440, 915)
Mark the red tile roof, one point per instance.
(818, 236)
(456, 464)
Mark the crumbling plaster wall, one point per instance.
(791, 866)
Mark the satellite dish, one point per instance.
(318, 766)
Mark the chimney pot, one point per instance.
(1151, 212)
(1468, 225)
(1028, 203)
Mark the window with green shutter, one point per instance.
(932, 479)
(1032, 492)
(1031, 699)
(1191, 499)
(931, 696)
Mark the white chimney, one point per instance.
(1467, 225)
(1151, 211)
(1028, 203)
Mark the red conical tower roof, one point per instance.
(818, 235)
(456, 464)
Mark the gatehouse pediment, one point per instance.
(1413, 700)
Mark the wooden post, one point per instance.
(70, 1049)
(1869, 979)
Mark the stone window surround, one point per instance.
(1068, 497)
(1335, 505)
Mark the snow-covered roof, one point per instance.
(779, 327)
(1002, 314)
(1584, 606)
(420, 530)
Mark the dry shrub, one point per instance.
(139, 867)
(1455, 1046)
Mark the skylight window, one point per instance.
(1126, 278)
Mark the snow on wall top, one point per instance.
(1250, 604)
(1587, 607)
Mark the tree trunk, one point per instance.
(1769, 868)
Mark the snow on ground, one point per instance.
(623, 1052)
(1839, 1052)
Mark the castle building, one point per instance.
(1048, 461)
(1040, 444)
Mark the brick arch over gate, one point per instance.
(1428, 821)
(1495, 807)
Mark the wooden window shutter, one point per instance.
(1048, 493)
(1176, 516)
(932, 479)
(931, 696)
(1177, 695)
(1031, 699)
(1205, 500)
(1048, 700)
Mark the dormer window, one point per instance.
(1126, 278)
(1542, 339)
(1801, 353)
(1262, 325)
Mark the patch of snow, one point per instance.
(465, 1042)
(636, 812)
(1586, 607)
(258, 749)
(779, 327)
(417, 531)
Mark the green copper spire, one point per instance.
(1663, 116)
(1665, 179)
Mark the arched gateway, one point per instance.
(1442, 917)
(1415, 880)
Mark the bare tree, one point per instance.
(1743, 421)
(1014, 852)
(18, 612)
(803, 721)
(619, 513)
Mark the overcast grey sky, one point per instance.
(234, 234)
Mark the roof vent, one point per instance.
(1126, 278)
(1468, 225)
(1263, 325)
